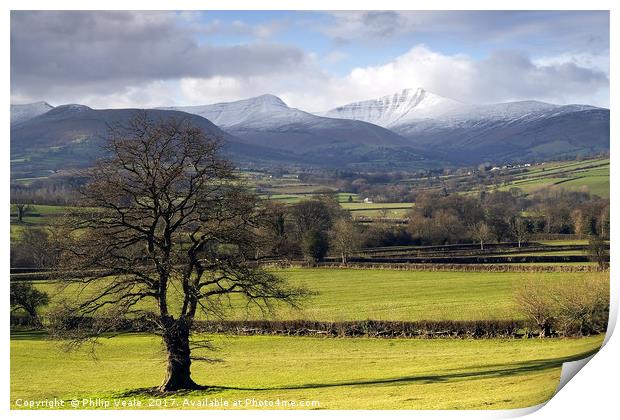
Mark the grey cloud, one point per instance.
(382, 24)
(544, 30)
(53, 49)
(511, 75)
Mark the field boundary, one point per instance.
(423, 329)
(503, 268)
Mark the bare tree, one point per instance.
(171, 236)
(519, 229)
(597, 250)
(344, 238)
(35, 248)
(481, 232)
(578, 221)
(22, 211)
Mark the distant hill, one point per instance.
(71, 136)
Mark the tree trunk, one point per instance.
(176, 339)
(545, 331)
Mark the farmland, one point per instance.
(391, 294)
(591, 176)
(395, 278)
(338, 373)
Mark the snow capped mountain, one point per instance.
(21, 113)
(403, 107)
(491, 116)
(259, 112)
(266, 121)
(404, 110)
(469, 133)
(410, 129)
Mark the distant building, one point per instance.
(367, 200)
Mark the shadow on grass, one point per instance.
(26, 334)
(509, 369)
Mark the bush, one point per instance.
(582, 306)
(535, 300)
(569, 308)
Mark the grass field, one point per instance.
(350, 294)
(352, 373)
(568, 242)
(591, 176)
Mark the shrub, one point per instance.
(535, 300)
(582, 306)
(569, 307)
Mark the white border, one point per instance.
(593, 394)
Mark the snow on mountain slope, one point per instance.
(403, 107)
(267, 118)
(266, 121)
(247, 111)
(410, 107)
(25, 112)
(491, 115)
(470, 132)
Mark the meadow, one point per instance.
(348, 373)
(591, 176)
(394, 295)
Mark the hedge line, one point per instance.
(476, 260)
(501, 268)
(372, 328)
(478, 329)
(471, 252)
(493, 268)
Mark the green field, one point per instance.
(591, 176)
(376, 206)
(352, 373)
(350, 294)
(567, 242)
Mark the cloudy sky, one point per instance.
(312, 60)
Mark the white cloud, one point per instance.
(503, 76)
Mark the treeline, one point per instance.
(318, 226)
(503, 216)
(59, 191)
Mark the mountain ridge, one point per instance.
(468, 133)
(420, 129)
